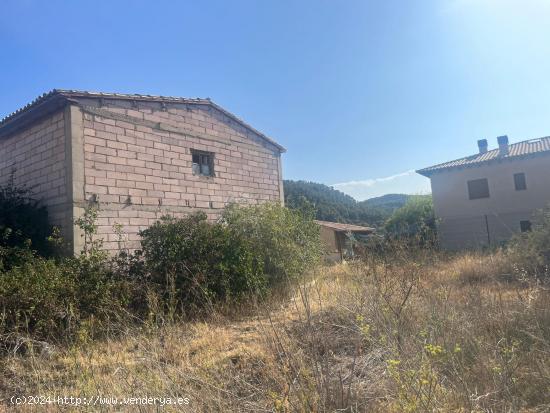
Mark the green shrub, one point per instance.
(286, 241)
(61, 300)
(415, 222)
(13, 256)
(23, 221)
(37, 297)
(531, 249)
(185, 265)
(52, 300)
(193, 262)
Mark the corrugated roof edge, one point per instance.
(338, 226)
(487, 158)
(67, 94)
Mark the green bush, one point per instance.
(61, 299)
(531, 249)
(13, 256)
(286, 241)
(414, 222)
(185, 265)
(52, 300)
(194, 262)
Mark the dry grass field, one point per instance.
(466, 333)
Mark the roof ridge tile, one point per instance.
(516, 151)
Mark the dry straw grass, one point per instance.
(462, 333)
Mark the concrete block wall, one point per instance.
(138, 164)
(37, 155)
(477, 231)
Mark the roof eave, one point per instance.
(281, 148)
(427, 172)
(424, 172)
(46, 104)
(333, 226)
(169, 99)
(356, 231)
(39, 107)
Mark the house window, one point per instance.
(478, 188)
(203, 163)
(525, 226)
(519, 182)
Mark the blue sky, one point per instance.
(361, 93)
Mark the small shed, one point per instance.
(338, 239)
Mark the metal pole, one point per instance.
(488, 233)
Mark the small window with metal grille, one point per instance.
(203, 163)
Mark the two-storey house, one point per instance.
(485, 198)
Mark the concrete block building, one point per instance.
(485, 198)
(138, 156)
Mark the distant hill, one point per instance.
(388, 201)
(334, 205)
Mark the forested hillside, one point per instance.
(334, 205)
(388, 201)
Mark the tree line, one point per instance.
(333, 205)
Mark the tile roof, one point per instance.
(67, 95)
(516, 151)
(344, 227)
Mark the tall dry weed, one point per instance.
(416, 333)
(408, 332)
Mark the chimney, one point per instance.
(502, 145)
(482, 145)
